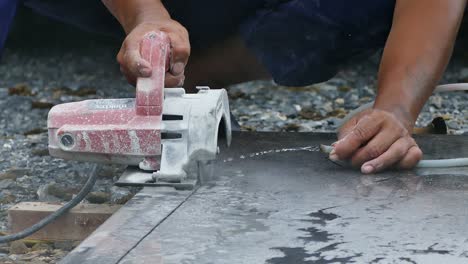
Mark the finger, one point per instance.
(366, 128)
(180, 52)
(351, 119)
(136, 65)
(411, 159)
(174, 81)
(377, 145)
(393, 155)
(131, 63)
(346, 128)
(130, 78)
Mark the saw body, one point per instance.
(164, 132)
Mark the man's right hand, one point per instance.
(133, 65)
(139, 17)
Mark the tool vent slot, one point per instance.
(172, 117)
(170, 135)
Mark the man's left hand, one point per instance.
(375, 140)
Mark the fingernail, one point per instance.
(367, 169)
(144, 72)
(178, 68)
(334, 143)
(333, 156)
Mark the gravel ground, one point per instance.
(72, 66)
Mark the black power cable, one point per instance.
(87, 187)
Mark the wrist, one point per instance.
(402, 111)
(130, 14)
(145, 18)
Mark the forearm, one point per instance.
(416, 53)
(133, 12)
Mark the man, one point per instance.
(296, 42)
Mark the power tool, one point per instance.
(163, 135)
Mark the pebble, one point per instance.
(13, 173)
(436, 101)
(44, 196)
(98, 197)
(120, 195)
(452, 124)
(66, 245)
(339, 101)
(7, 198)
(54, 192)
(41, 246)
(5, 184)
(18, 247)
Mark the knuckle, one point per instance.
(183, 49)
(401, 151)
(361, 132)
(119, 58)
(414, 155)
(373, 152)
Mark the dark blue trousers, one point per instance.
(300, 42)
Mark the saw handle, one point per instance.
(154, 48)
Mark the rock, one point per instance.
(20, 89)
(13, 173)
(120, 195)
(436, 101)
(339, 113)
(41, 246)
(344, 88)
(326, 87)
(7, 198)
(62, 192)
(107, 172)
(83, 91)
(98, 197)
(41, 105)
(5, 184)
(292, 127)
(4, 259)
(339, 101)
(18, 247)
(37, 261)
(248, 128)
(297, 107)
(53, 192)
(328, 107)
(310, 114)
(310, 126)
(66, 245)
(35, 131)
(4, 249)
(452, 124)
(43, 194)
(464, 74)
(236, 94)
(40, 152)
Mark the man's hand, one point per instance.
(416, 53)
(138, 17)
(375, 140)
(133, 65)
